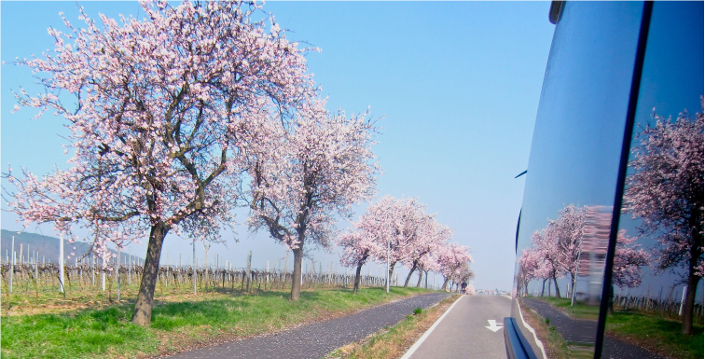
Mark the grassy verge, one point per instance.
(178, 324)
(553, 342)
(24, 300)
(657, 334)
(647, 330)
(395, 341)
(577, 311)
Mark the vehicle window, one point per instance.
(572, 172)
(659, 252)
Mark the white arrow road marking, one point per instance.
(493, 325)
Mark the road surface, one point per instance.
(574, 330)
(471, 328)
(315, 340)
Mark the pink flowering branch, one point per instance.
(169, 110)
(665, 191)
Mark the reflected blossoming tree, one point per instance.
(665, 191)
(575, 244)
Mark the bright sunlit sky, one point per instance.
(458, 85)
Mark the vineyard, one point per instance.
(29, 284)
(667, 308)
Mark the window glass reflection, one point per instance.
(662, 216)
(573, 169)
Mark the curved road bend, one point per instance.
(463, 332)
(314, 341)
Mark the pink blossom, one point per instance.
(665, 191)
(161, 135)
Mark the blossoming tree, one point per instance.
(358, 247)
(322, 166)
(628, 260)
(166, 110)
(530, 268)
(665, 190)
(395, 225)
(429, 235)
(545, 241)
(569, 234)
(454, 261)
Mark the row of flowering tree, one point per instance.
(400, 231)
(564, 246)
(178, 118)
(664, 190)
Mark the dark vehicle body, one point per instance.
(611, 68)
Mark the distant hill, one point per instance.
(47, 248)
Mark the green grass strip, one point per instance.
(657, 333)
(109, 333)
(650, 331)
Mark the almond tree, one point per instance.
(428, 263)
(372, 234)
(408, 223)
(166, 110)
(462, 274)
(569, 233)
(429, 235)
(384, 221)
(454, 261)
(358, 247)
(626, 268)
(396, 223)
(530, 265)
(665, 191)
(545, 241)
(320, 168)
(628, 260)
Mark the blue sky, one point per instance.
(458, 84)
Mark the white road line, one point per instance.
(536, 339)
(416, 345)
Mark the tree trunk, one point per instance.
(418, 285)
(413, 268)
(549, 287)
(543, 287)
(558, 290)
(296, 276)
(693, 281)
(357, 278)
(696, 250)
(142, 314)
(445, 283)
(689, 303)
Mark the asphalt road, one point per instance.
(574, 330)
(316, 340)
(463, 332)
